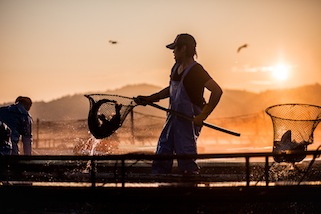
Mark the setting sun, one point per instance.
(280, 71)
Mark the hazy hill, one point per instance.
(233, 102)
(236, 102)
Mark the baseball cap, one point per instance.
(183, 39)
(25, 101)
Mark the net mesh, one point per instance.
(107, 113)
(293, 126)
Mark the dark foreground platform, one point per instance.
(278, 199)
(228, 183)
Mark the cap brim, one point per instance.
(171, 46)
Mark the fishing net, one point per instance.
(293, 126)
(107, 113)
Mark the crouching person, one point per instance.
(18, 119)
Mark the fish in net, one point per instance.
(293, 126)
(107, 113)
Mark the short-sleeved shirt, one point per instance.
(194, 82)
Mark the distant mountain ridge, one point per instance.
(233, 102)
(236, 102)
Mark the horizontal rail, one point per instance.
(136, 156)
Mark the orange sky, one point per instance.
(55, 48)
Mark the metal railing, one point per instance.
(244, 169)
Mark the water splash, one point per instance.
(92, 143)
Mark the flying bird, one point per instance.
(241, 47)
(113, 42)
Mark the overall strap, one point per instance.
(188, 69)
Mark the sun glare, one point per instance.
(280, 72)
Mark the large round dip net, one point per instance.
(293, 126)
(107, 113)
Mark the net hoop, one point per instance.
(272, 114)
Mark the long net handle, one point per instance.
(134, 104)
(191, 119)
